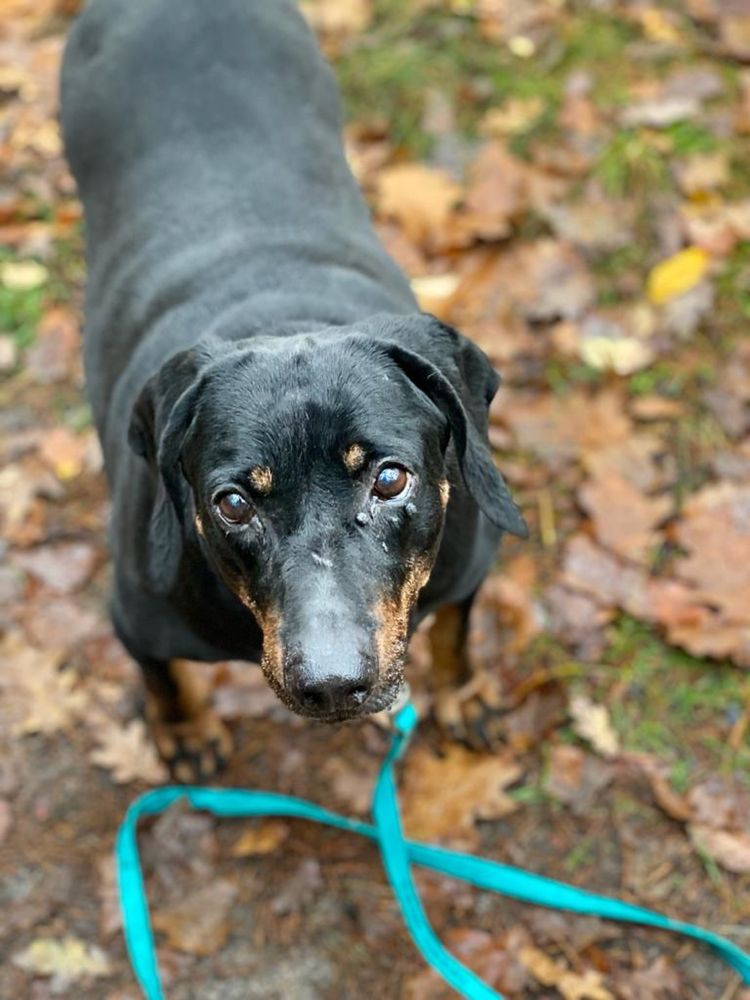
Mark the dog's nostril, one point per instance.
(314, 698)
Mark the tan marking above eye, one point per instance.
(354, 457)
(445, 492)
(261, 479)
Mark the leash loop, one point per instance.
(398, 855)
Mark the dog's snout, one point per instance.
(325, 692)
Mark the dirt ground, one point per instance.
(568, 184)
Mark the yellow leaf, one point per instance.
(65, 960)
(677, 275)
(23, 275)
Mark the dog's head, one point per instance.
(315, 470)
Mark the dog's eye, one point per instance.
(234, 508)
(391, 482)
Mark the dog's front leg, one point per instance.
(467, 703)
(190, 737)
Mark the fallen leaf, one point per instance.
(576, 778)
(54, 354)
(262, 838)
(660, 112)
(497, 192)
(6, 818)
(419, 198)
(592, 723)
(625, 520)
(338, 18)
(128, 753)
(63, 568)
(8, 354)
(562, 429)
(703, 172)
(572, 985)
(715, 531)
(728, 848)
(514, 116)
(39, 696)
(199, 923)
(64, 452)
(23, 275)
(676, 275)
(110, 913)
(444, 796)
(65, 960)
(434, 292)
(657, 982)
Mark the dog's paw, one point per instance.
(472, 714)
(194, 750)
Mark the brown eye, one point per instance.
(391, 482)
(234, 508)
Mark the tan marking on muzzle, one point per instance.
(392, 615)
(269, 620)
(261, 479)
(354, 457)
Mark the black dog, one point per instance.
(298, 457)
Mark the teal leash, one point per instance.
(398, 856)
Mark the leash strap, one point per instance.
(398, 856)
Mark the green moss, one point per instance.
(669, 697)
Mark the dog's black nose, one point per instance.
(326, 693)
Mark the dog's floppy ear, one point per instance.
(458, 368)
(158, 427)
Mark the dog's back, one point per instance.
(205, 139)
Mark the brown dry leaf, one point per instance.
(703, 172)
(338, 19)
(60, 622)
(514, 116)
(656, 408)
(634, 459)
(606, 579)
(20, 485)
(494, 958)
(555, 282)
(352, 781)
(64, 453)
(54, 354)
(572, 985)
(673, 804)
(443, 796)
(728, 848)
(128, 753)
(721, 802)
(6, 819)
(63, 568)
(65, 961)
(559, 429)
(592, 723)
(38, 696)
(110, 914)
(199, 923)
(576, 778)
(497, 192)
(715, 530)
(419, 198)
(593, 224)
(625, 520)
(657, 982)
(262, 838)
